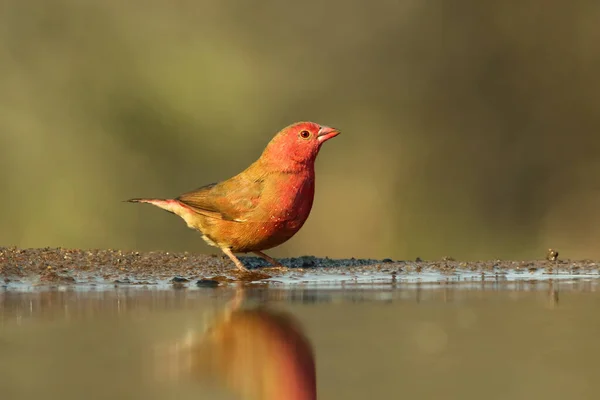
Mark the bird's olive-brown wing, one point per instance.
(231, 200)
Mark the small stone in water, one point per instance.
(207, 283)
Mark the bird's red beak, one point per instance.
(326, 133)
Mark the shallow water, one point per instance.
(510, 340)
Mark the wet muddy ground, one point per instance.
(21, 268)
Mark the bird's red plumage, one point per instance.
(264, 205)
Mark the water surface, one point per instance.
(495, 341)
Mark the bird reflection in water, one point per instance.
(257, 353)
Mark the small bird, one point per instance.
(262, 206)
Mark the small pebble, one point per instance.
(308, 263)
(552, 255)
(208, 283)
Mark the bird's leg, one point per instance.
(235, 260)
(271, 261)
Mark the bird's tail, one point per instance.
(169, 205)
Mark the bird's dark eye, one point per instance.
(305, 134)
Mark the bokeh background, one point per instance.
(470, 128)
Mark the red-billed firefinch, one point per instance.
(264, 205)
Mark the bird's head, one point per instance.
(298, 144)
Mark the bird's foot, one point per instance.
(240, 267)
(276, 266)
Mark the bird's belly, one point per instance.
(244, 237)
(265, 235)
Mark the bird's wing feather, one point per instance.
(230, 200)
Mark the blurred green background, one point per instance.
(469, 128)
